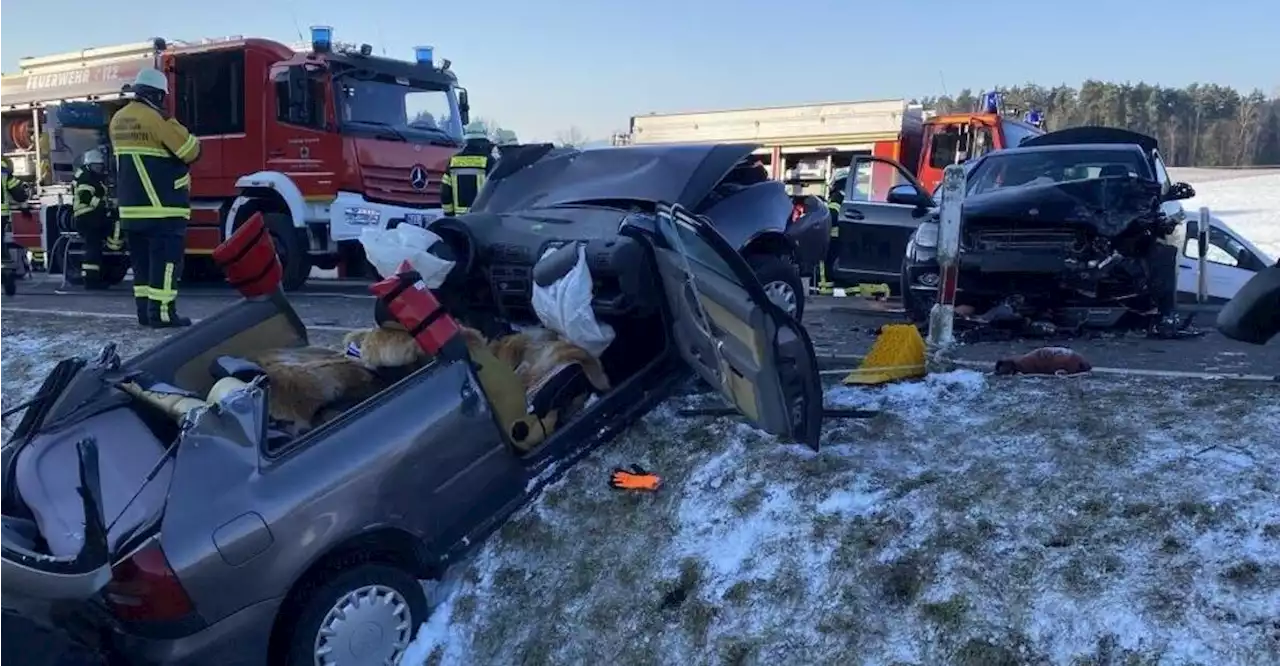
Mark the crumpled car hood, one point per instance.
(1108, 204)
(682, 174)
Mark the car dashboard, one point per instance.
(507, 246)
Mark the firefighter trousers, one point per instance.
(156, 248)
(94, 231)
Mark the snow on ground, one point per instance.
(1249, 204)
(975, 521)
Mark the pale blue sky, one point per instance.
(539, 67)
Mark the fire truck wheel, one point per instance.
(291, 247)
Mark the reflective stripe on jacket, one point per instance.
(12, 189)
(153, 179)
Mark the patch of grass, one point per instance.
(949, 613)
(789, 585)
(750, 501)
(1109, 653)
(737, 651)
(1170, 545)
(982, 652)
(908, 486)
(464, 608)
(1077, 578)
(902, 580)
(1245, 573)
(968, 538)
(686, 585)
(864, 535)
(738, 593)
(1271, 530)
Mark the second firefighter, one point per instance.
(95, 222)
(153, 190)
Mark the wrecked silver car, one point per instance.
(1081, 225)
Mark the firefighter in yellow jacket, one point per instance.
(14, 255)
(467, 172)
(153, 192)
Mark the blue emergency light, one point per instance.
(321, 38)
(423, 54)
(991, 102)
(1035, 118)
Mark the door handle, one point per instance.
(1187, 266)
(855, 215)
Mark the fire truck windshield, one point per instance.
(411, 112)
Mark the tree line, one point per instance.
(1200, 125)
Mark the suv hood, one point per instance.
(1109, 204)
(544, 177)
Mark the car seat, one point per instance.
(1113, 170)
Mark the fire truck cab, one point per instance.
(325, 140)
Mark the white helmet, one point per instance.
(93, 156)
(152, 78)
(474, 131)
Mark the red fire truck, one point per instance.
(325, 141)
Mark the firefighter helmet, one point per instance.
(93, 156)
(474, 132)
(151, 78)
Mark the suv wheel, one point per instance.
(364, 615)
(781, 281)
(916, 310)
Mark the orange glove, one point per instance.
(635, 478)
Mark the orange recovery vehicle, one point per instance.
(325, 141)
(875, 221)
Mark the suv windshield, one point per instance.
(1040, 167)
(405, 108)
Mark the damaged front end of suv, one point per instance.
(1080, 235)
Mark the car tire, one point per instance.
(781, 281)
(291, 247)
(360, 595)
(916, 311)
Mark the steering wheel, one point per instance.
(459, 247)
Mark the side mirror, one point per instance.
(464, 106)
(907, 195)
(1179, 191)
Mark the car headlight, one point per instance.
(927, 235)
(362, 216)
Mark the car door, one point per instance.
(758, 356)
(1229, 262)
(874, 226)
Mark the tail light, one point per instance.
(144, 588)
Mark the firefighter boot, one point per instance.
(165, 315)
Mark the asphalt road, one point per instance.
(841, 328)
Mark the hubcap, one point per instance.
(369, 625)
(782, 295)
